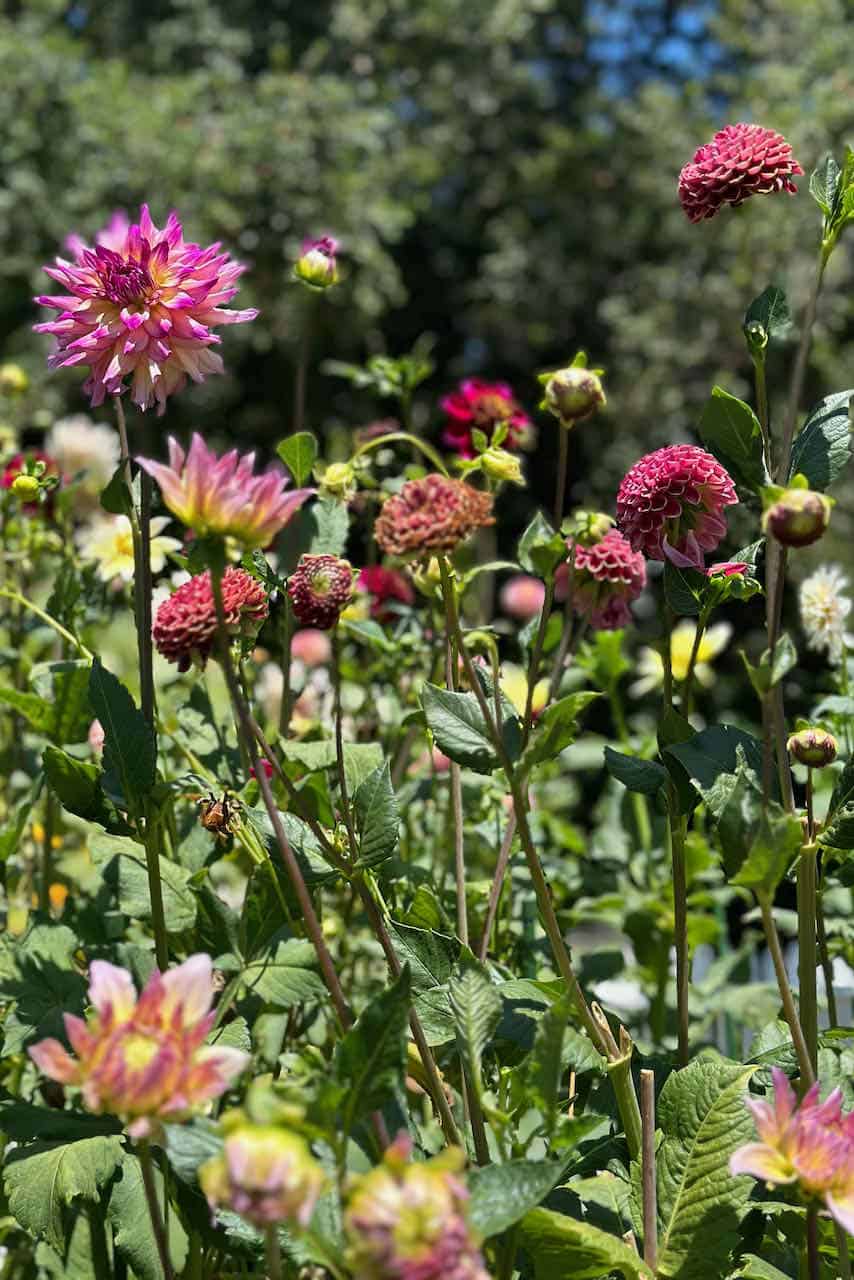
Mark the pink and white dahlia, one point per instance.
(741, 160)
(143, 1058)
(223, 496)
(265, 1173)
(184, 628)
(608, 576)
(811, 1145)
(482, 406)
(670, 504)
(141, 307)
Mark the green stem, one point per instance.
(287, 637)
(455, 772)
(47, 853)
(160, 1238)
(339, 742)
(772, 939)
(98, 1243)
(560, 478)
(813, 1261)
(507, 1256)
(762, 407)
(24, 603)
(826, 963)
(807, 938)
(800, 367)
(688, 685)
(426, 449)
(273, 1253)
(676, 828)
(639, 803)
(536, 656)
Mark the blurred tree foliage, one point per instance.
(502, 173)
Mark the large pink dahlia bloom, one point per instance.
(670, 504)
(741, 160)
(608, 576)
(141, 305)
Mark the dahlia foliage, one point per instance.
(403, 880)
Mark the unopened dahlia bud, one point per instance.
(319, 588)
(338, 481)
(501, 465)
(266, 1174)
(573, 393)
(317, 265)
(590, 527)
(13, 379)
(798, 518)
(813, 747)
(26, 487)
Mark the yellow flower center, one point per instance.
(138, 1051)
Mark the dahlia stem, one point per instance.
(676, 830)
(339, 741)
(312, 924)
(455, 773)
(24, 603)
(808, 995)
(650, 1211)
(426, 449)
(497, 886)
(800, 368)
(762, 408)
(826, 963)
(772, 939)
(688, 685)
(562, 468)
(536, 655)
(157, 1226)
(286, 628)
(273, 1253)
(813, 1261)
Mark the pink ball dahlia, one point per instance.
(522, 596)
(741, 160)
(319, 588)
(141, 305)
(608, 576)
(670, 504)
(432, 514)
(185, 625)
(483, 405)
(386, 587)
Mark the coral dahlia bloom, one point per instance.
(319, 588)
(223, 496)
(670, 504)
(608, 576)
(811, 1145)
(741, 160)
(266, 1174)
(386, 588)
(141, 308)
(143, 1058)
(432, 514)
(406, 1221)
(483, 406)
(184, 628)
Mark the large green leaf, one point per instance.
(377, 819)
(134, 1237)
(459, 729)
(476, 1006)
(370, 1062)
(771, 311)
(43, 1178)
(360, 758)
(501, 1194)
(563, 1248)
(43, 986)
(77, 786)
(130, 749)
(541, 547)
(65, 686)
(822, 449)
(431, 957)
(287, 976)
(730, 430)
(556, 730)
(703, 1119)
(713, 751)
(123, 865)
(298, 452)
(644, 776)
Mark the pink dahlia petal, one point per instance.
(483, 406)
(111, 992)
(190, 989)
(762, 1162)
(740, 161)
(841, 1206)
(608, 576)
(670, 504)
(54, 1061)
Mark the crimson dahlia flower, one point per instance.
(184, 628)
(741, 160)
(141, 307)
(482, 406)
(386, 587)
(608, 576)
(670, 504)
(319, 588)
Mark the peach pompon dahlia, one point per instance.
(811, 1145)
(670, 504)
(432, 514)
(741, 160)
(223, 496)
(184, 628)
(141, 305)
(143, 1058)
(608, 576)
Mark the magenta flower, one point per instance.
(811, 1145)
(141, 305)
(741, 160)
(223, 496)
(608, 576)
(670, 504)
(386, 588)
(483, 406)
(143, 1058)
(184, 628)
(727, 569)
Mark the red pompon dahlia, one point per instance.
(432, 514)
(670, 504)
(741, 160)
(483, 406)
(185, 626)
(141, 305)
(319, 588)
(608, 576)
(386, 587)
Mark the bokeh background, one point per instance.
(501, 174)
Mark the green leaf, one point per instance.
(545, 1063)
(24, 1121)
(565, 1249)
(644, 776)
(771, 311)
(714, 751)
(730, 430)
(683, 589)
(839, 832)
(329, 525)
(541, 548)
(431, 957)
(501, 1194)
(476, 1007)
(130, 749)
(17, 818)
(459, 729)
(556, 730)
(44, 986)
(286, 977)
(377, 818)
(35, 710)
(843, 789)
(822, 448)
(360, 758)
(116, 498)
(134, 1237)
(753, 1268)
(77, 786)
(824, 184)
(122, 863)
(298, 452)
(189, 1146)
(65, 686)
(370, 1061)
(703, 1119)
(43, 1178)
(772, 851)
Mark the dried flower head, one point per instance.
(824, 610)
(483, 406)
(386, 588)
(608, 576)
(670, 504)
(741, 160)
(407, 1221)
(144, 1058)
(142, 305)
(432, 514)
(223, 496)
(265, 1173)
(319, 588)
(184, 628)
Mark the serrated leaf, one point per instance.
(683, 589)
(557, 729)
(65, 686)
(377, 818)
(123, 865)
(431, 957)
(188, 1146)
(360, 758)
(771, 311)
(459, 729)
(824, 184)
(134, 1237)
(545, 1063)
(563, 1248)
(644, 776)
(822, 449)
(329, 524)
(730, 430)
(44, 986)
(713, 751)
(298, 452)
(501, 1194)
(286, 977)
(130, 748)
(476, 1007)
(703, 1119)
(541, 548)
(43, 1178)
(77, 786)
(370, 1061)
(772, 851)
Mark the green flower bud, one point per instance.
(25, 487)
(13, 379)
(574, 394)
(500, 464)
(588, 527)
(317, 265)
(338, 481)
(813, 747)
(798, 517)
